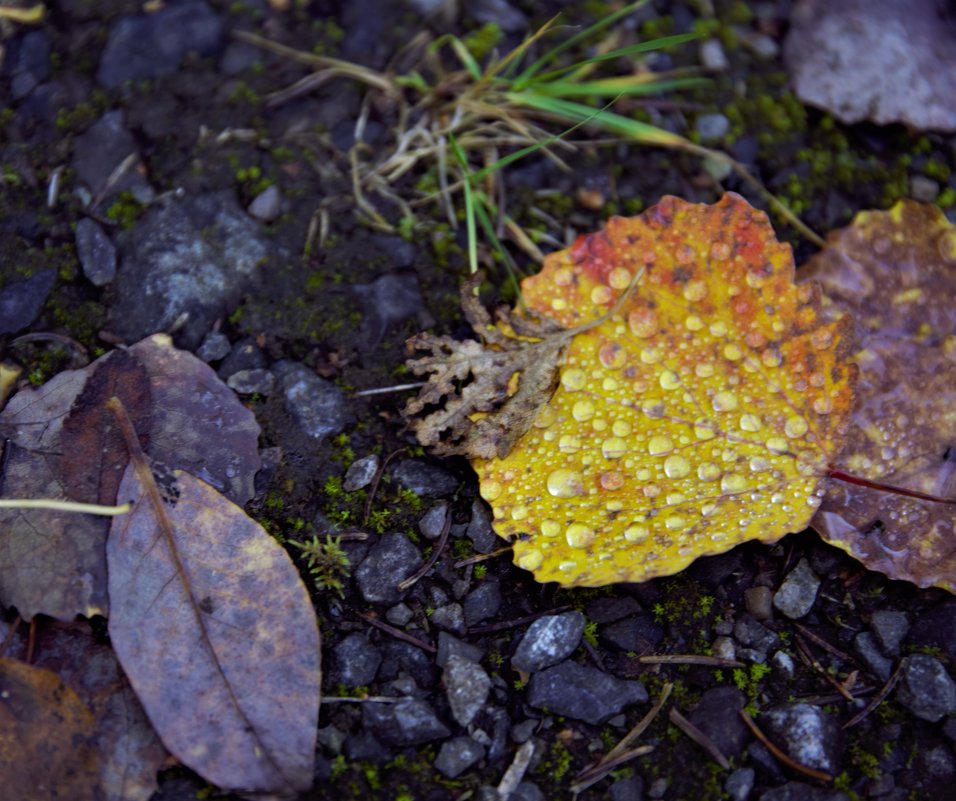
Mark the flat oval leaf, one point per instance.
(227, 664)
(702, 413)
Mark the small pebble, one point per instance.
(360, 473)
(712, 56)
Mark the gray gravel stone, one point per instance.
(608, 610)
(805, 732)
(28, 62)
(389, 562)
(629, 789)
(740, 783)
(763, 46)
(266, 205)
(482, 602)
(409, 722)
(360, 473)
(424, 479)
(153, 45)
(449, 617)
(528, 791)
(716, 715)
(319, 407)
(96, 252)
(479, 529)
(467, 686)
(638, 632)
(244, 355)
(355, 661)
(749, 632)
(258, 381)
(449, 646)
(399, 615)
(457, 755)
(872, 657)
(712, 55)
(196, 256)
(798, 592)
(215, 346)
(712, 127)
(21, 302)
(549, 640)
(582, 692)
(759, 602)
(923, 189)
(926, 689)
(890, 628)
(100, 150)
(798, 791)
(433, 521)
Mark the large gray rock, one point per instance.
(582, 692)
(195, 257)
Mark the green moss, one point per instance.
(125, 210)
(326, 562)
(481, 42)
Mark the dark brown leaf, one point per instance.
(93, 453)
(130, 753)
(46, 737)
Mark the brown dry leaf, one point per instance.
(129, 751)
(227, 668)
(63, 446)
(51, 563)
(198, 423)
(880, 60)
(46, 737)
(93, 455)
(894, 272)
(481, 397)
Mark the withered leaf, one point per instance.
(51, 563)
(227, 667)
(54, 563)
(198, 423)
(481, 397)
(46, 737)
(894, 272)
(129, 751)
(94, 455)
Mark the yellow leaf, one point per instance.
(702, 413)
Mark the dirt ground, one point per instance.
(337, 292)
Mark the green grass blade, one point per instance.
(554, 52)
(468, 192)
(464, 54)
(621, 52)
(482, 208)
(606, 120)
(628, 86)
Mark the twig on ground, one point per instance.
(780, 755)
(699, 737)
